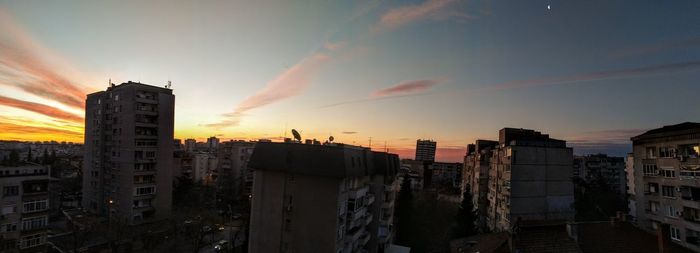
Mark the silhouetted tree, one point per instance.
(52, 158)
(14, 158)
(45, 157)
(466, 218)
(594, 200)
(404, 207)
(29, 155)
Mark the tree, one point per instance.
(29, 155)
(45, 158)
(466, 218)
(52, 158)
(404, 207)
(594, 200)
(14, 158)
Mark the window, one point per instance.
(34, 223)
(672, 211)
(36, 206)
(667, 152)
(650, 170)
(651, 152)
(9, 227)
(10, 190)
(668, 172)
(8, 210)
(144, 190)
(653, 206)
(652, 187)
(668, 191)
(31, 241)
(675, 233)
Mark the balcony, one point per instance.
(691, 214)
(364, 238)
(358, 192)
(370, 198)
(368, 218)
(354, 234)
(357, 214)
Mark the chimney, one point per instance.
(663, 237)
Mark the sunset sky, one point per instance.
(593, 73)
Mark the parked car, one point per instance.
(221, 246)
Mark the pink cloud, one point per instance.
(655, 48)
(22, 67)
(292, 82)
(40, 108)
(407, 87)
(435, 9)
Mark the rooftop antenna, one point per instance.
(296, 134)
(170, 84)
(331, 139)
(385, 149)
(370, 142)
(110, 83)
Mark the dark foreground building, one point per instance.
(321, 198)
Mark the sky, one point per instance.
(593, 73)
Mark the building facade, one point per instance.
(128, 162)
(24, 208)
(476, 176)
(233, 170)
(666, 172)
(425, 150)
(610, 169)
(526, 175)
(321, 198)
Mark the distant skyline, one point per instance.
(593, 73)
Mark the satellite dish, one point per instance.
(331, 138)
(296, 134)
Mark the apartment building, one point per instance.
(24, 208)
(529, 179)
(631, 187)
(233, 166)
(666, 172)
(128, 166)
(204, 165)
(425, 150)
(448, 174)
(321, 198)
(476, 176)
(611, 169)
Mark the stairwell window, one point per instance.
(668, 191)
(675, 233)
(668, 172)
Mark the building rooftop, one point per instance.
(526, 137)
(622, 237)
(670, 130)
(334, 160)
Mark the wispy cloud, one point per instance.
(613, 142)
(40, 108)
(430, 9)
(9, 128)
(651, 70)
(23, 65)
(349, 132)
(657, 48)
(289, 83)
(601, 75)
(407, 87)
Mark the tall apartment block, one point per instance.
(24, 208)
(128, 166)
(425, 150)
(476, 176)
(666, 173)
(321, 198)
(526, 175)
(611, 169)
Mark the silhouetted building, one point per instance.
(127, 172)
(425, 150)
(321, 198)
(24, 208)
(607, 168)
(666, 172)
(190, 145)
(476, 176)
(212, 143)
